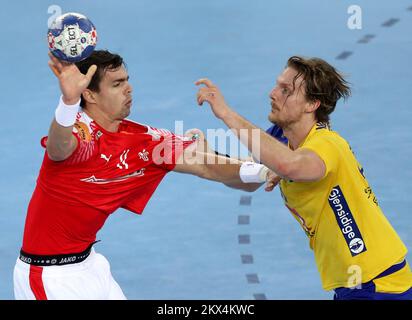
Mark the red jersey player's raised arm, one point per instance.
(61, 143)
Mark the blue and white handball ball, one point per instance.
(72, 37)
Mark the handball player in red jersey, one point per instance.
(95, 162)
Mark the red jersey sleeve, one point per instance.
(85, 134)
(169, 149)
(165, 154)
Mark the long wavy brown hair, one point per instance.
(322, 82)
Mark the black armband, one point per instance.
(221, 154)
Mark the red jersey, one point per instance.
(73, 198)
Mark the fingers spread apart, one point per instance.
(206, 82)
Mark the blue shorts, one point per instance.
(368, 292)
(368, 289)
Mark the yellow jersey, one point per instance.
(350, 236)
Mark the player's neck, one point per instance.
(103, 120)
(298, 131)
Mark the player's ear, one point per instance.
(313, 106)
(88, 96)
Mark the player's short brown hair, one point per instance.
(322, 81)
(104, 60)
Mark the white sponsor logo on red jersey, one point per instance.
(107, 158)
(144, 155)
(93, 179)
(123, 157)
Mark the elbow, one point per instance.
(56, 156)
(251, 187)
(291, 169)
(286, 170)
(58, 153)
(247, 187)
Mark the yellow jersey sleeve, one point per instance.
(325, 148)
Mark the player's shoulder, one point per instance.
(131, 126)
(84, 126)
(156, 133)
(322, 132)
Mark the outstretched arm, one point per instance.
(218, 169)
(298, 165)
(201, 161)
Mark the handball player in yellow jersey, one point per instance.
(358, 253)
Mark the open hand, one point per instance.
(72, 82)
(211, 94)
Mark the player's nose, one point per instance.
(129, 88)
(272, 93)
